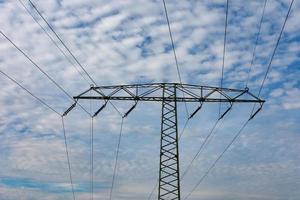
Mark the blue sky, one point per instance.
(121, 42)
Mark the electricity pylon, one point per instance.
(169, 94)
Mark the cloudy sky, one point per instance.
(121, 42)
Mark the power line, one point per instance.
(199, 150)
(206, 141)
(116, 160)
(41, 70)
(92, 158)
(62, 42)
(30, 93)
(174, 51)
(245, 124)
(91, 153)
(152, 191)
(224, 51)
(68, 159)
(215, 162)
(53, 41)
(68, 49)
(273, 54)
(256, 42)
(38, 67)
(172, 42)
(47, 105)
(184, 127)
(277, 43)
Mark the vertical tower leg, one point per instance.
(169, 185)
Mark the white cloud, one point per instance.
(291, 99)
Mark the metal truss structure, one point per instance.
(169, 94)
(169, 186)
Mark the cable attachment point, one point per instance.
(69, 109)
(256, 112)
(193, 114)
(129, 111)
(100, 109)
(228, 109)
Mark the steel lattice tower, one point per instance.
(169, 183)
(169, 94)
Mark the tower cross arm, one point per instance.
(153, 92)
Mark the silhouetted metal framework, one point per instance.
(169, 186)
(169, 94)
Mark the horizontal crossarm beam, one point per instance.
(153, 92)
(178, 99)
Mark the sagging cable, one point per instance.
(69, 109)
